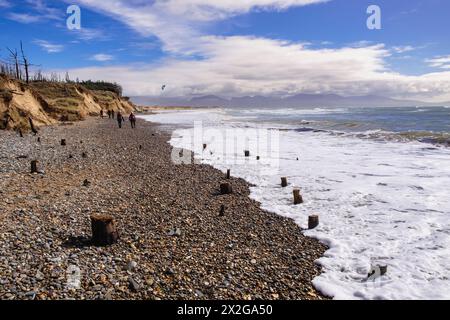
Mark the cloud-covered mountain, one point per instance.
(300, 100)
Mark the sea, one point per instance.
(378, 178)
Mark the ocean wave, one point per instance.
(294, 111)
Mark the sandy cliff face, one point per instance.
(18, 103)
(48, 103)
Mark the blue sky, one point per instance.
(234, 48)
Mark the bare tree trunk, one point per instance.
(15, 59)
(25, 63)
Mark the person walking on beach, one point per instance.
(112, 114)
(101, 113)
(132, 119)
(109, 114)
(120, 119)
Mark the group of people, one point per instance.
(120, 118)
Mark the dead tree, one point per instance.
(15, 60)
(25, 63)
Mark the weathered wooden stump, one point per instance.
(228, 174)
(284, 182)
(298, 199)
(222, 211)
(34, 166)
(104, 231)
(33, 128)
(383, 270)
(247, 153)
(313, 222)
(63, 142)
(225, 188)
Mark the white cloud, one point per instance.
(246, 65)
(403, 49)
(442, 62)
(88, 34)
(49, 47)
(177, 22)
(38, 12)
(23, 17)
(5, 4)
(238, 66)
(101, 57)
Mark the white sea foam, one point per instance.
(379, 203)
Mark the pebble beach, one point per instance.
(174, 244)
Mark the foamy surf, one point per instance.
(379, 202)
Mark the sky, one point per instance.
(240, 48)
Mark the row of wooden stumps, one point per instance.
(313, 221)
(226, 188)
(104, 230)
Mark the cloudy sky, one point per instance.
(241, 47)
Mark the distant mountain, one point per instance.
(299, 100)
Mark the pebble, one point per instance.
(132, 266)
(166, 215)
(134, 286)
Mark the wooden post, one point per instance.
(20, 133)
(383, 270)
(33, 128)
(225, 188)
(284, 182)
(222, 211)
(247, 153)
(313, 222)
(63, 142)
(297, 197)
(205, 146)
(34, 168)
(104, 231)
(228, 174)
(39, 139)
